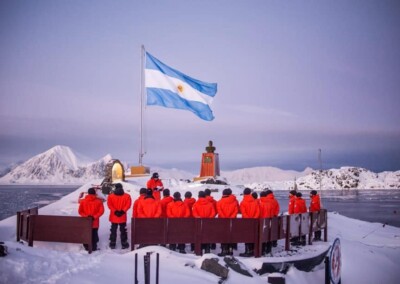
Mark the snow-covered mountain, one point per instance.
(59, 165)
(343, 178)
(350, 177)
(5, 170)
(263, 174)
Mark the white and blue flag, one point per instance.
(170, 88)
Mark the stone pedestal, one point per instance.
(209, 162)
(209, 165)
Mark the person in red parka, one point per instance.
(141, 197)
(189, 201)
(255, 196)
(149, 207)
(292, 198)
(92, 207)
(177, 209)
(299, 204)
(119, 203)
(156, 185)
(227, 207)
(203, 209)
(267, 210)
(315, 203)
(165, 201)
(210, 198)
(299, 208)
(315, 206)
(276, 207)
(250, 208)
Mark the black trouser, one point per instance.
(266, 247)
(122, 230)
(95, 239)
(249, 250)
(180, 247)
(206, 248)
(227, 249)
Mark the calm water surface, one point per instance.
(17, 197)
(382, 206)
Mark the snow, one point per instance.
(260, 174)
(370, 251)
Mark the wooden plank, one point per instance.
(63, 229)
(295, 221)
(215, 230)
(148, 231)
(180, 230)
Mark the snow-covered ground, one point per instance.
(370, 251)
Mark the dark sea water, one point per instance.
(15, 198)
(382, 206)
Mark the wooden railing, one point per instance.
(64, 229)
(23, 223)
(145, 231)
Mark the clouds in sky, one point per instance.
(293, 77)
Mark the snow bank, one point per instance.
(370, 252)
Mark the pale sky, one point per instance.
(293, 77)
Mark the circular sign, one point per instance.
(335, 263)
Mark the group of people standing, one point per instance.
(119, 203)
(149, 204)
(297, 205)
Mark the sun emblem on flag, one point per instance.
(180, 88)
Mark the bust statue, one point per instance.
(210, 148)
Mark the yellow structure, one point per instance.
(115, 171)
(137, 171)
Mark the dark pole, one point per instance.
(136, 260)
(157, 267)
(19, 226)
(327, 270)
(147, 268)
(287, 241)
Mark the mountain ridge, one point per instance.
(58, 165)
(61, 165)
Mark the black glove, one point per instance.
(91, 217)
(117, 213)
(122, 212)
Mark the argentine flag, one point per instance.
(170, 88)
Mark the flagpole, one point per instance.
(142, 58)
